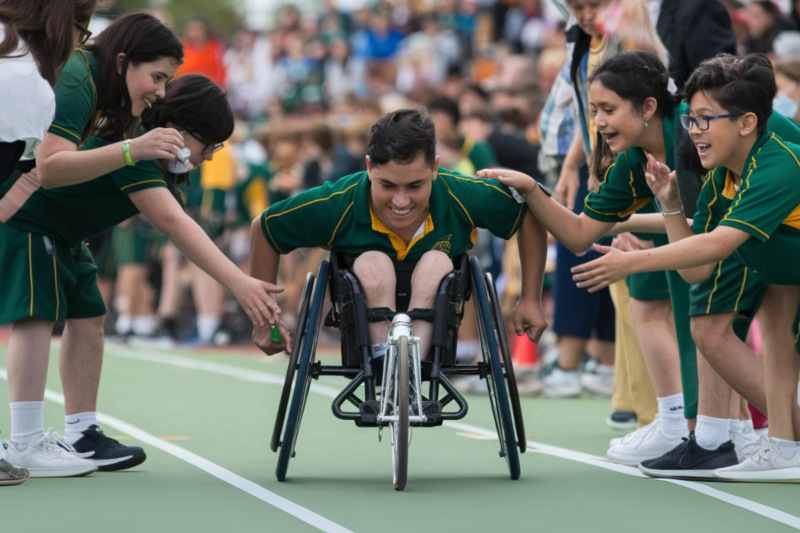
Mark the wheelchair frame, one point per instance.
(351, 315)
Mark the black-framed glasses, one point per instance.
(703, 121)
(212, 148)
(85, 33)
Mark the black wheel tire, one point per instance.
(508, 364)
(400, 443)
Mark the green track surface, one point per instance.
(457, 482)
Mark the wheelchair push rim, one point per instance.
(498, 393)
(299, 338)
(304, 375)
(508, 363)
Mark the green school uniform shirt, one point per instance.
(337, 216)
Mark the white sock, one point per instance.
(78, 423)
(123, 324)
(670, 416)
(467, 351)
(742, 426)
(787, 448)
(207, 325)
(27, 423)
(379, 350)
(712, 432)
(143, 325)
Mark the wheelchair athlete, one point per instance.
(404, 208)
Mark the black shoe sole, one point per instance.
(136, 460)
(688, 474)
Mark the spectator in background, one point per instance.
(203, 53)
(343, 74)
(787, 77)
(446, 117)
(764, 22)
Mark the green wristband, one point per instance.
(126, 150)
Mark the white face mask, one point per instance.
(785, 106)
(181, 165)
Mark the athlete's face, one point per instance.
(400, 193)
(147, 81)
(718, 146)
(616, 120)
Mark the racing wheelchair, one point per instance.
(398, 390)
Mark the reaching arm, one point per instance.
(529, 316)
(688, 253)
(60, 163)
(164, 212)
(264, 264)
(646, 223)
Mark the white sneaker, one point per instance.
(746, 441)
(562, 384)
(600, 381)
(45, 458)
(644, 443)
(767, 464)
(529, 381)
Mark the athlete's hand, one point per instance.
(663, 184)
(262, 337)
(529, 318)
(255, 297)
(511, 178)
(602, 272)
(628, 242)
(567, 186)
(159, 143)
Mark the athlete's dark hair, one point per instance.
(143, 39)
(195, 104)
(46, 27)
(635, 77)
(401, 137)
(739, 84)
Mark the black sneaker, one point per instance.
(106, 453)
(625, 420)
(689, 461)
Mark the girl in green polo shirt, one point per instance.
(49, 278)
(757, 172)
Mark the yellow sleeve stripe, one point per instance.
(461, 178)
(741, 291)
(787, 149)
(459, 203)
(274, 243)
(636, 204)
(714, 186)
(56, 126)
(746, 224)
(311, 202)
(333, 236)
(141, 183)
(519, 214)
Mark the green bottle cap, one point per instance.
(275, 334)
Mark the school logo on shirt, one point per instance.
(443, 245)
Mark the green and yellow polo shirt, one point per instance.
(76, 98)
(767, 207)
(71, 214)
(337, 216)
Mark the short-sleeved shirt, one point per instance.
(71, 214)
(624, 188)
(76, 98)
(767, 207)
(337, 216)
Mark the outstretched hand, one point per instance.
(510, 178)
(663, 183)
(255, 297)
(603, 271)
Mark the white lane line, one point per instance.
(269, 497)
(600, 462)
(546, 449)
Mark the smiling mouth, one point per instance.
(609, 136)
(400, 212)
(147, 102)
(703, 148)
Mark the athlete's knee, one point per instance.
(709, 332)
(375, 272)
(429, 272)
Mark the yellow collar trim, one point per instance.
(398, 243)
(729, 191)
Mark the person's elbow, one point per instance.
(696, 276)
(45, 175)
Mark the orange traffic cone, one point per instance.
(524, 353)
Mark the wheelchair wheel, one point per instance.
(508, 364)
(303, 384)
(400, 427)
(498, 393)
(299, 337)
